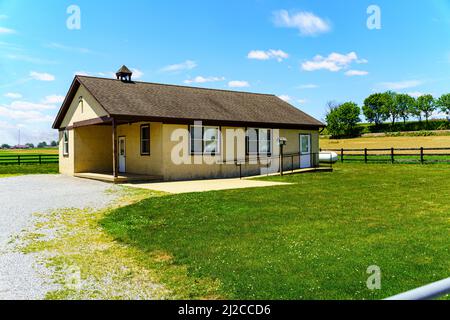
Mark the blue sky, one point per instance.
(308, 52)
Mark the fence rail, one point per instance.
(24, 159)
(393, 155)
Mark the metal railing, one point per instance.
(290, 163)
(22, 159)
(428, 292)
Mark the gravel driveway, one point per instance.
(20, 197)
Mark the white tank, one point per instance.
(328, 157)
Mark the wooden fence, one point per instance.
(394, 155)
(22, 159)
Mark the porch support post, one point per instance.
(114, 149)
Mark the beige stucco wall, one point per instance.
(135, 162)
(91, 109)
(66, 163)
(166, 139)
(199, 170)
(93, 149)
(293, 146)
(89, 147)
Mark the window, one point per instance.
(205, 140)
(265, 146)
(145, 140)
(211, 140)
(252, 141)
(259, 141)
(66, 142)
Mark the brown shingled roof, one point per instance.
(141, 99)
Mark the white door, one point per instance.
(122, 155)
(305, 151)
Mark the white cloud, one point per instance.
(362, 61)
(308, 86)
(334, 62)
(201, 79)
(137, 74)
(13, 95)
(302, 101)
(6, 31)
(54, 99)
(108, 74)
(306, 22)
(28, 134)
(238, 84)
(59, 46)
(29, 59)
(42, 76)
(280, 55)
(285, 97)
(25, 115)
(3, 17)
(81, 73)
(351, 73)
(416, 94)
(28, 106)
(400, 84)
(186, 65)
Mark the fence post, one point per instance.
(342, 155)
(365, 155)
(18, 160)
(40, 159)
(392, 155)
(421, 155)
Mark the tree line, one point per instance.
(342, 119)
(42, 144)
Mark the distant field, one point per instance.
(387, 142)
(29, 151)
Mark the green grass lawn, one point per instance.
(16, 170)
(314, 239)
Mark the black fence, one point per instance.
(394, 155)
(24, 159)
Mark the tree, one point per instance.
(374, 108)
(42, 144)
(29, 145)
(427, 105)
(342, 119)
(54, 143)
(391, 105)
(6, 146)
(405, 105)
(415, 111)
(444, 103)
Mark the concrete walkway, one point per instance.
(204, 185)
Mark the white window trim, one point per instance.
(65, 142)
